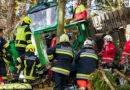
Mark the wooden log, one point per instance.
(122, 17)
(112, 20)
(99, 27)
(114, 17)
(107, 20)
(102, 21)
(111, 23)
(128, 15)
(105, 78)
(96, 23)
(117, 19)
(122, 75)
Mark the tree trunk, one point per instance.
(10, 18)
(3, 14)
(114, 3)
(129, 3)
(119, 1)
(61, 13)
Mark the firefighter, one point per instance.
(4, 48)
(23, 36)
(107, 52)
(126, 58)
(29, 62)
(79, 11)
(86, 61)
(53, 43)
(62, 56)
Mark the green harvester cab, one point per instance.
(44, 23)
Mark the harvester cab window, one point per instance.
(43, 18)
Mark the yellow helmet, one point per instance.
(30, 48)
(26, 19)
(64, 38)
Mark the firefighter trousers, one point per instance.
(3, 72)
(61, 81)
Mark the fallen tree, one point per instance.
(108, 80)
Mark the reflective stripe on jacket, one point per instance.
(81, 12)
(108, 53)
(4, 48)
(86, 60)
(63, 53)
(4, 45)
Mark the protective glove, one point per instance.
(45, 72)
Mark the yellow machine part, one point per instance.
(16, 86)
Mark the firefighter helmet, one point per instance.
(30, 48)
(108, 38)
(64, 38)
(88, 42)
(27, 20)
(75, 2)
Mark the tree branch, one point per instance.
(105, 78)
(122, 75)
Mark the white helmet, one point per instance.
(108, 38)
(64, 38)
(75, 1)
(88, 42)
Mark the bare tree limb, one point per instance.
(105, 78)
(122, 75)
